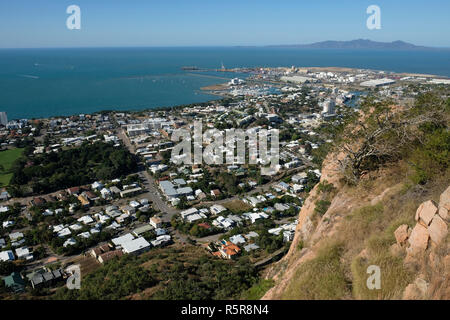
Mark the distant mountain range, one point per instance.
(361, 44)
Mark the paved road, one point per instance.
(150, 183)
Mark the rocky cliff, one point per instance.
(382, 221)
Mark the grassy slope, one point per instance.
(339, 269)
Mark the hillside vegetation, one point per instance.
(386, 162)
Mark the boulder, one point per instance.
(422, 285)
(444, 200)
(401, 234)
(438, 229)
(444, 213)
(419, 238)
(416, 290)
(426, 212)
(412, 292)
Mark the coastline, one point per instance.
(219, 89)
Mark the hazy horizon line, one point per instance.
(292, 45)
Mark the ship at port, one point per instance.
(190, 68)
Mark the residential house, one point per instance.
(105, 257)
(91, 196)
(215, 192)
(237, 239)
(7, 255)
(75, 191)
(128, 209)
(24, 253)
(106, 193)
(14, 282)
(156, 222)
(84, 201)
(135, 246)
(130, 192)
(229, 250)
(216, 209)
(161, 241)
(251, 247)
(45, 279)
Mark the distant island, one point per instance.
(361, 44)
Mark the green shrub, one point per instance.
(258, 290)
(322, 207)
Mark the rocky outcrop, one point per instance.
(444, 205)
(438, 229)
(402, 234)
(429, 232)
(430, 226)
(418, 241)
(426, 212)
(415, 241)
(416, 290)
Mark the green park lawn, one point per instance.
(7, 158)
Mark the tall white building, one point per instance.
(328, 107)
(3, 118)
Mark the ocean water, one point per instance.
(46, 82)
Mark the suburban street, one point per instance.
(150, 183)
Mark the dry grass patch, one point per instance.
(237, 206)
(322, 278)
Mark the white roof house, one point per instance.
(69, 242)
(195, 217)
(16, 236)
(281, 206)
(86, 219)
(237, 239)
(135, 246)
(6, 255)
(251, 247)
(64, 233)
(184, 214)
(135, 204)
(161, 240)
(121, 240)
(97, 185)
(105, 192)
(24, 253)
(7, 224)
(217, 208)
(251, 234)
(85, 235)
(76, 227)
(275, 231)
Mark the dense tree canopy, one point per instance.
(73, 167)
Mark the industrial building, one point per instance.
(377, 83)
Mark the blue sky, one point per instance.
(42, 23)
